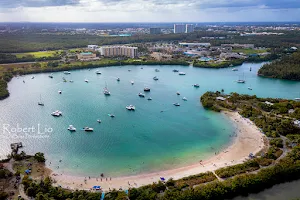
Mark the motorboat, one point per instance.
(67, 72)
(130, 107)
(175, 70)
(235, 69)
(155, 78)
(106, 91)
(64, 80)
(40, 103)
(149, 99)
(71, 81)
(249, 88)
(141, 94)
(98, 72)
(111, 115)
(297, 99)
(85, 80)
(157, 70)
(71, 128)
(181, 73)
(32, 77)
(146, 89)
(240, 81)
(132, 82)
(59, 91)
(88, 129)
(196, 85)
(176, 104)
(98, 120)
(184, 99)
(50, 76)
(118, 79)
(177, 93)
(56, 113)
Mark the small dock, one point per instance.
(15, 147)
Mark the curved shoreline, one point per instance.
(248, 139)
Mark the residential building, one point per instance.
(114, 51)
(86, 56)
(189, 28)
(155, 31)
(93, 47)
(179, 28)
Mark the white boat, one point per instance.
(98, 120)
(235, 69)
(71, 128)
(59, 91)
(130, 107)
(177, 93)
(196, 85)
(111, 115)
(146, 89)
(297, 99)
(149, 99)
(118, 79)
(50, 76)
(132, 82)
(181, 73)
(85, 80)
(175, 70)
(56, 113)
(249, 88)
(184, 99)
(141, 94)
(67, 72)
(40, 103)
(157, 70)
(176, 104)
(240, 81)
(32, 77)
(105, 91)
(98, 72)
(71, 81)
(155, 78)
(88, 129)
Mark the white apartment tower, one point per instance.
(112, 51)
(189, 28)
(179, 28)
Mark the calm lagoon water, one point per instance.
(133, 142)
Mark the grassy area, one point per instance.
(38, 54)
(37, 169)
(250, 51)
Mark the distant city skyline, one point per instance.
(149, 11)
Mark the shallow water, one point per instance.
(133, 142)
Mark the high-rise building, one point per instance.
(179, 28)
(155, 31)
(189, 28)
(112, 51)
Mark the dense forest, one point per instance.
(286, 68)
(26, 42)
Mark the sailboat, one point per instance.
(298, 98)
(250, 88)
(40, 103)
(250, 69)
(105, 91)
(241, 80)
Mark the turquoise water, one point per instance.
(132, 142)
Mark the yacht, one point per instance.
(105, 91)
(177, 93)
(59, 91)
(157, 70)
(184, 99)
(175, 70)
(149, 99)
(141, 94)
(130, 107)
(196, 85)
(235, 69)
(241, 80)
(181, 73)
(85, 80)
(88, 129)
(132, 82)
(67, 72)
(146, 89)
(40, 103)
(98, 72)
(111, 115)
(71, 128)
(118, 79)
(176, 104)
(155, 78)
(56, 113)
(98, 120)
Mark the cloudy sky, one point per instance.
(149, 10)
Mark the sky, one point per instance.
(149, 10)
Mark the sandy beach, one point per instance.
(248, 139)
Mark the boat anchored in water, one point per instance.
(118, 79)
(111, 115)
(175, 70)
(132, 82)
(196, 85)
(149, 99)
(59, 91)
(85, 80)
(184, 99)
(106, 91)
(67, 72)
(98, 120)
(50, 76)
(56, 113)
(40, 103)
(141, 94)
(155, 78)
(88, 129)
(176, 104)
(157, 70)
(71, 128)
(241, 80)
(130, 107)
(98, 72)
(178, 93)
(181, 73)
(146, 89)
(235, 69)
